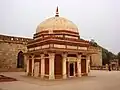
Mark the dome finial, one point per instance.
(57, 13)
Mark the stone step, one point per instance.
(12, 70)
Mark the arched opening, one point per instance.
(20, 60)
(71, 69)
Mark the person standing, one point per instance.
(109, 68)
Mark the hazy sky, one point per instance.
(97, 19)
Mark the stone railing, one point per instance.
(94, 49)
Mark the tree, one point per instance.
(104, 56)
(107, 56)
(93, 43)
(110, 56)
(118, 57)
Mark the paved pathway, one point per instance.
(98, 80)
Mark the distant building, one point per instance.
(114, 64)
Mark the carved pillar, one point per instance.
(87, 63)
(64, 55)
(27, 64)
(42, 66)
(51, 65)
(32, 65)
(79, 65)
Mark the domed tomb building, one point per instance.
(57, 51)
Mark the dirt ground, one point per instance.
(98, 80)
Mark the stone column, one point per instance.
(87, 63)
(32, 65)
(27, 65)
(36, 69)
(42, 66)
(64, 65)
(51, 65)
(79, 65)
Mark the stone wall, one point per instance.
(97, 58)
(9, 48)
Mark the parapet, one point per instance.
(13, 39)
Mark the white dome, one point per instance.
(56, 23)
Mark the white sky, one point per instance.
(97, 19)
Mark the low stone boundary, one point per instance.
(98, 68)
(102, 68)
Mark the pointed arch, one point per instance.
(20, 60)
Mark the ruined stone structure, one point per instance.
(114, 64)
(11, 52)
(96, 59)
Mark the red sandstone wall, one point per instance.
(83, 66)
(30, 66)
(58, 66)
(46, 66)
